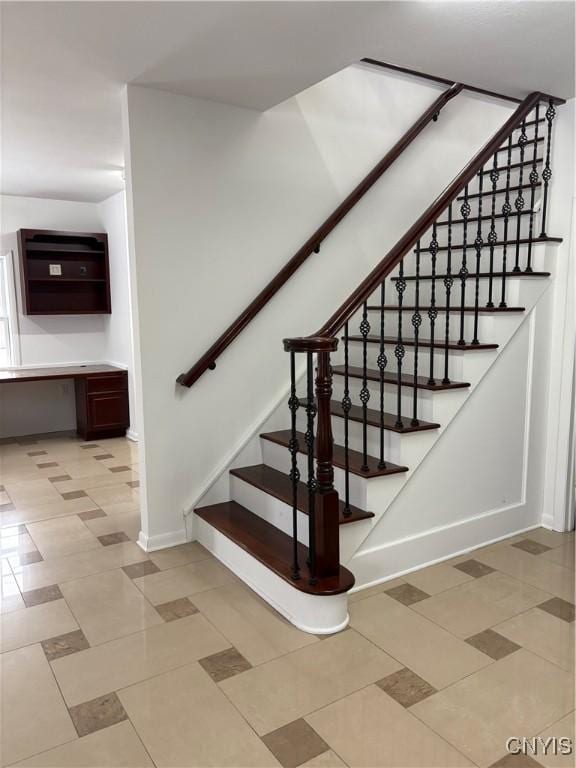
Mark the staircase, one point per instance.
(375, 389)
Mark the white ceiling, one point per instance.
(64, 65)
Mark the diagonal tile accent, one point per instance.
(176, 609)
(295, 743)
(59, 478)
(74, 495)
(91, 514)
(89, 447)
(123, 468)
(220, 666)
(493, 644)
(531, 546)
(407, 594)
(102, 456)
(406, 687)
(136, 570)
(26, 558)
(134, 483)
(97, 714)
(47, 464)
(42, 595)
(474, 568)
(562, 609)
(64, 645)
(113, 538)
(37, 453)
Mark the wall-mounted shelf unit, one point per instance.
(64, 273)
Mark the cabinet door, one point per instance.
(108, 411)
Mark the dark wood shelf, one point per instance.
(82, 288)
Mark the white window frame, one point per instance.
(7, 266)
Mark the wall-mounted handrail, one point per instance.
(319, 340)
(208, 359)
(444, 81)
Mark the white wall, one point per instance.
(220, 197)
(61, 340)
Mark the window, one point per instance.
(9, 342)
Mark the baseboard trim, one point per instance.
(132, 435)
(398, 558)
(161, 540)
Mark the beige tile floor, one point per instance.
(111, 657)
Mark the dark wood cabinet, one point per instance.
(64, 273)
(102, 405)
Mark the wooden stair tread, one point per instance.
(473, 275)
(391, 341)
(282, 437)
(270, 546)
(373, 419)
(454, 309)
(279, 485)
(390, 377)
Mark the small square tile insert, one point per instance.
(113, 538)
(474, 568)
(220, 666)
(493, 644)
(59, 478)
(516, 761)
(295, 743)
(175, 609)
(406, 687)
(27, 558)
(407, 594)
(123, 468)
(37, 453)
(145, 568)
(97, 714)
(91, 514)
(562, 609)
(102, 456)
(89, 447)
(533, 547)
(9, 507)
(74, 495)
(64, 645)
(42, 595)
(47, 464)
(134, 483)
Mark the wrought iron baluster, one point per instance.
(432, 311)
(534, 179)
(416, 323)
(364, 392)
(346, 406)
(492, 236)
(399, 350)
(465, 211)
(294, 404)
(382, 363)
(448, 283)
(311, 484)
(478, 244)
(519, 203)
(506, 211)
(547, 172)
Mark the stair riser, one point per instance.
(485, 324)
(268, 507)
(425, 397)
(279, 513)
(456, 360)
(425, 300)
(278, 457)
(539, 259)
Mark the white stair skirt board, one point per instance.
(316, 614)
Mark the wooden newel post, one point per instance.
(327, 511)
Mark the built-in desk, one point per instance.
(101, 396)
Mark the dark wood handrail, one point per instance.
(208, 360)
(444, 81)
(416, 231)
